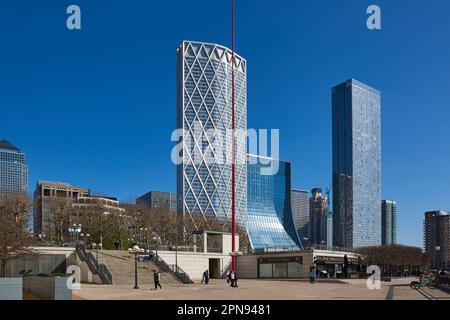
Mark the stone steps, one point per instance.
(121, 266)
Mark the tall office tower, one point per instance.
(204, 112)
(269, 217)
(388, 222)
(437, 238)
(328, 229)
(318, 206)
(356, 165)
(13, 170)
(300, 213)
(45, 193)
(158, 199)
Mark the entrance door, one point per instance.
(214, 268)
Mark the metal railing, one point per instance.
(297, 248)
(176, 270)
(93, 265)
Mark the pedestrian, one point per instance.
(205, 277)
(228, 277)
(232, 279)
(117, 244)
(157, 279)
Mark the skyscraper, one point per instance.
(388, 222)
(13, 170)
(157, 199)
(204, 112)
(318, 207)
(269, 215)
(437, 238)
(356, 165)
(300, 213)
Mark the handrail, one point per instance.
(226, 269)
(176, 270)
(94, 266)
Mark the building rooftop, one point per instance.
(4, 144)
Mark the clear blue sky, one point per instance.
(96, 107)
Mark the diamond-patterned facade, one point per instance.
(204, 106)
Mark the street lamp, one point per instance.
(136, 251)
(41, 237)
(176, 258)
(157, 239)
(438, 249)
(94, 246)
(307, 241)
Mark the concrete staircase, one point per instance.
(121, 266)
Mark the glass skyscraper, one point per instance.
(13, 170)
(388, 222)
(436, 237)
(204, 112)
(356, 165)
(300, 213)
(157, 199)
(269, 216)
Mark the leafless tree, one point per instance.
(15, 240)
(60, 211)
(97, 220)
(392, 259)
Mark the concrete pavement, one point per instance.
(356, 289)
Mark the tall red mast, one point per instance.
(233, 146)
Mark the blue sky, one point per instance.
(96, 107)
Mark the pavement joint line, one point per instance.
(427, 295)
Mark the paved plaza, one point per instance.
(398, 289)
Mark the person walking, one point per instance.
(157, 279)
(205, 277)
(228, 277)
(117, 244)
(232, 279)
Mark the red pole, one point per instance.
(233, 169)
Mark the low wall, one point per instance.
(195, 263)
(47, 288)
(11, 289)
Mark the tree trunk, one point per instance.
(3, 268)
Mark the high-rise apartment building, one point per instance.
(158, 199)
(356, 165)
(204, 113)
(269, 216)
(300, 213)
(13, 170)
(388, 222)
(437, 238)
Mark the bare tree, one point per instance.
(392, 259)
(60, 210)
(14, 238)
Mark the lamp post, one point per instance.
(307, 241)
(94, 246)
(176, 259)
(157, 239)
(42, 238)
(136, 251)
(438, 249)
(322, 244)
